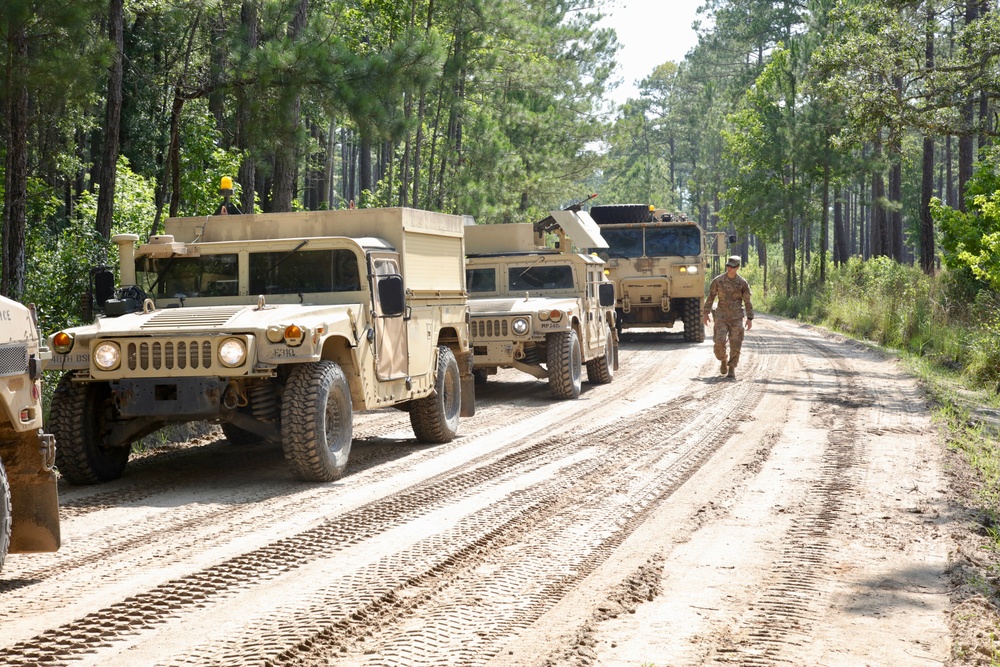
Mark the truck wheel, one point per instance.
(602, 369)
(619, 214)
(564, 364)
(80, 420)
(435, 418)
(316, 421)
(4, 515)
(694, 326)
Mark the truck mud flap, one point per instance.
(468, 396)
(34, 497)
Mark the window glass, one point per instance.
(186, 277)
(541, 276)
(481, 280)
(303, 271)
(623, 242)
(665, 241)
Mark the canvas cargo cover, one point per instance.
(489, 239)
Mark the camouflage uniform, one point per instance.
(733, 294)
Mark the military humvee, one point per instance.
(278, 326)
(29, 504)
(657, 262)
(543, 311)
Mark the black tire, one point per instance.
(317, 422)
(435, 418)
(564, 364)
(4, 515)
(238, 436)
(81, 417)
(619, 214)
(602, 369)
(694, 325)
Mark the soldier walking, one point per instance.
(733, 292)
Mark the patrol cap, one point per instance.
(733, 261)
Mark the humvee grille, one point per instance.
(486, 328)
(13, 360)
(170, 355)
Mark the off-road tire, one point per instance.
(619, 214)
(435, 418)
(4, 515)
(564, 364)
(602, 369)
(79, 421)
(694, 325)
(316, 421)
(238, 436)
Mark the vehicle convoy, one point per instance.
(543, 311)
(278, 326)
(29, 504)
(657, 262)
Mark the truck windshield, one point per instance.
(667, 241)
(304, 271)
(623, 242)
(481, 280)
(184, 277)
(540, 277)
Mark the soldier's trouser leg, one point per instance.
(720, 334)
(736, 332)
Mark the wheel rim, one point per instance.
(451, 392)
(334, 429)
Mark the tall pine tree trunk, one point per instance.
(15, 208)
(927, 180)
(248, 166)
(286, 153)
(112, 120)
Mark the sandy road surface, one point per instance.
(670, 518)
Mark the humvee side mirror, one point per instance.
(732, 238)
(606, 294)
(391, 296)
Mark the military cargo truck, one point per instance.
(278, 326)
(543, 311)
(657, 261)
(29, 505)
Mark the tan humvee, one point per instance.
(278, 326)
(658, 262)
(542, 311)
(29, 505)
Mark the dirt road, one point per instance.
(794, 516)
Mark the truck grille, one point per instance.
(13, 360)
(489, 328)
(169, 355)
(174, 356)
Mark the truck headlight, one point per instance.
(62, 342)
(232, 352)
(693, 268)
(107, 356)
(520, 326)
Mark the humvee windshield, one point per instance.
(539, 277)
(659, 241)
(304, 271)
(184, 277)
(481, 280)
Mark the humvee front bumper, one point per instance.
(170, 398)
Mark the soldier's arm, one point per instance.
(746, 301)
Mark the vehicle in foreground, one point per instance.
(546, 312)
(29, 503)
(657, 261)
(278, 326)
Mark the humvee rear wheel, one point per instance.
(564, 364)
(435, 418)
(602, 369)
(316, 421)
(694, 327)
(81, 418)
(4, 515)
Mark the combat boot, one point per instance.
(732, 372)
(724, 367)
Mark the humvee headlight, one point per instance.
(232, 352)
(62, 342)
(275, 333)
(293, 335)
(543, 315)
(107, 356)
(692, 268)
(520, 326)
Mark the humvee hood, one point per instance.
(217, 318)
(518, 305)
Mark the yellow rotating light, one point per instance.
(293, 335)
(520, 326)
(62, 342)
(107, 356)
(232, 352)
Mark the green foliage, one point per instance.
(203, 163)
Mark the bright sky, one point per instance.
(651, 32)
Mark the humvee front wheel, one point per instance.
(4, 515)
(694, 327)
(435, 418)
(564, 364)
(81, 418)
(316, 422)
(602, 369)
